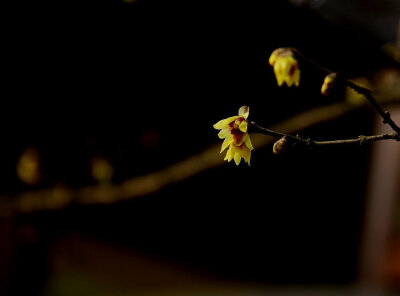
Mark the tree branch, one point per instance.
(59, 197)
(359, 89)
(311, 143)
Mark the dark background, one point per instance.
(86, 78)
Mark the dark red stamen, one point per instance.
(240, 119)
(236, 131)
(292, 70)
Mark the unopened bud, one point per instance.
(329, 84)
(281, 145)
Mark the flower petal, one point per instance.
(244, 111)
(245, 153)
(278, 72)
(247, 142)
(243, 126)
(224, 133)
(224, 122)
(296, 77)
(237, 158)
(275, 54)
(228, 141)
(289, 80)
(229, 154)
(286, 69)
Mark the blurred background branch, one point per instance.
(59, 197)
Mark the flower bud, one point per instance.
(281, 145)
(329, 84)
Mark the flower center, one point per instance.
(236, 132)
(235, 124)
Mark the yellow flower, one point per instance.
(286, 67)
(28, 166)
(234, 133)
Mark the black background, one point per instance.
(87, 78)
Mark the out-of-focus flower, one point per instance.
(286, 67)
(101, 169)
(234, 133)
(28, 166)
(329, 84)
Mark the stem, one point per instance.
(361, 90)
(308, 142)
(257, 128)
(367, 93)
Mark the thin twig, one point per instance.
(311, 143)
(359, 89)
(367, 93)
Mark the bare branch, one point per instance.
(361, 90)
(311, 143)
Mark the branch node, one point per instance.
(386, 117)
(362, 140)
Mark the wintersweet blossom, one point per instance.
(286, 67)
(234, 132)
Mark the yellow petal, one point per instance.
(228, 140)
(282, 69)
(278, 73)
(275, 54)
(243, 126)
(246, 154)
(296, 77)
(229, 154)
(247, 142)
(286, 64)
(272, 59)
(224, 122)
(224, 133)
(289, 81)
(237, 158)
(244, 111)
